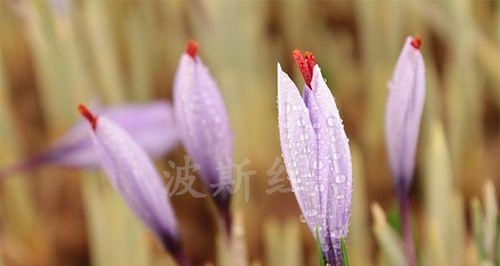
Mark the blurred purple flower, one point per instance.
(204, 127)
(132, 173)
(150, 125)
(316, 154)
(405, 102)
(404, 107)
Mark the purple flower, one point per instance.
(316, 154)
(204, 126)
(405, 102)
(150, 125)
(404, 107)
(132, 173)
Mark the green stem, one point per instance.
(345, 258)
(320, 251)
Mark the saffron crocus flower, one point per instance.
(316, 153)
(150, 125)
(402, 121)
(132, 173)
(405, 103)
(204, 127)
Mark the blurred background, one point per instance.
(57, 54)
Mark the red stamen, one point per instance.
(416, 42)
(192, 48)
(88, 115)
(311, 61)
(301, 62)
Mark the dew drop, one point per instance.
(340, 178)
(300, 122)
(302, 218)
(331, 121)
(318, 165)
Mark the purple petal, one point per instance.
(298, 145)
(404, 107)
(204, 125)
(150, 125)
(322, 163)
(317, 158)
(132, 174)
(335, 153)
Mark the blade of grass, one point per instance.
(477, 226)
(318, 248)
(359, 233)
(116, 235)
(388, 239)
(345, 258)
(104, 51)
(490, 219)
(283, 246)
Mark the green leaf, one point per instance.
(320, 251)
(393, 217)
(477, 227)
(345, 259)
(498, 240)
(389, 241)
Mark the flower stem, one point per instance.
(408, 245)
(226, 222)
(345, 258)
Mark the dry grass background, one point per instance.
(56, 54)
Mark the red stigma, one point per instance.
(306, 64)
(310, 60)
(88, 115)
(416, 42)
(192, 48)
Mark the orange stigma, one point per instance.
(88, 115)
(306, 63)
(416, 42)
(192, 48)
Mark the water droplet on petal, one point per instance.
(331, 121)
(340, 178)
(302, 218)
(318, 165)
